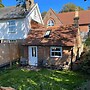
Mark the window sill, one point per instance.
(56, 56)
(11, 32)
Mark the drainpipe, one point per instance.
(71, 68)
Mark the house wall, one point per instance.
(21, 30)
(8, 53)
(44, 55)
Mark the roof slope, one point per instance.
(11, 12)
(61, 36)
(67, 18)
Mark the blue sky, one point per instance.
(56, 5)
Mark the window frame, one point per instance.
(12, 24)
(50, 23)
(55, 51)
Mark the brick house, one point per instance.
(54, 19)
(56, 45)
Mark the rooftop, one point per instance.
(59, 36)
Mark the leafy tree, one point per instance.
(21, 3)
(87, 42)
(1, 5)
(43, 14)
(70, 7)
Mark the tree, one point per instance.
(1, 5)
(89, 8)
(21, 3)
(43, 14)
(70, 7)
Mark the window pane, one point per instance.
(51, 23)
(33, 51)
(11, 22)
(53, 54)
(56, 49)
(57, 53)
(12, 29)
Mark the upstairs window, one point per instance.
(50, 23)
(56, 51)
(12, 26)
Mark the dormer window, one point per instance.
(12, 26)
(50, 23)
(47, 33)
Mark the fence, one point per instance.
(8, 52)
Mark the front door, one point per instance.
(32, 52)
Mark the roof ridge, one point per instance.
(73, 12)
(56, 15)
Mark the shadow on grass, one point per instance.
(22, 79)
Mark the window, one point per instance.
(56, 51)
(12, 26)
(50, 23)
(47, 34)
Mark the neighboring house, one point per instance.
(52, 46)
(54, 19)
(15, 22)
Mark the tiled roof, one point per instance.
(59, 36)
(67, 18)
(12, 13)
(36, 25)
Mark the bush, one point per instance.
(85, 65)
(87, 42)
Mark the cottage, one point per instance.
(52, 46)
(15, 21)
(54, 19)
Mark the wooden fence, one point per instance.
(8, 53)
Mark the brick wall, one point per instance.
(8, 52)
(44, 54)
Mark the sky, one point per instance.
(56, 5)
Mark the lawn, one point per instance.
(23, 79)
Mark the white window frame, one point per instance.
(50, 23)
(12, 24)
(55, 51)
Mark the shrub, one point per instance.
(85, 65)
(87, 42)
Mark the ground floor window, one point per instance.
(56, 51)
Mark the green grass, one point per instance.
(22, 79)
